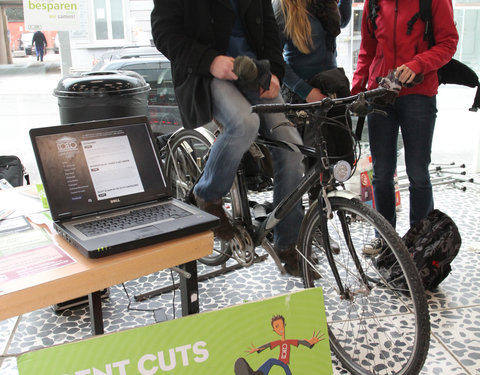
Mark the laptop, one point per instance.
(106, 188)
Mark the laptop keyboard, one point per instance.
(132, 219)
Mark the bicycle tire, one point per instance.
(369, 324)
(186, 155)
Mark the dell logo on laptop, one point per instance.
(115, 200)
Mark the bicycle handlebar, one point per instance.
(324, 104)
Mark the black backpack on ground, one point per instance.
(433, 243)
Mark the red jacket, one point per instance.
(391, 47)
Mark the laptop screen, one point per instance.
(98, 165)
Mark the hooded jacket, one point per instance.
(389, 46)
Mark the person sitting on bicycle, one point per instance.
(202, 39)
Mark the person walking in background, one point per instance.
(390, 44)
(40, 43)
(202, 38)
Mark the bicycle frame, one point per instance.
(321, 170)
(334, 219)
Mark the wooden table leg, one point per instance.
(189, 289)
(96, 314)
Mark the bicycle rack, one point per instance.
(442, 174)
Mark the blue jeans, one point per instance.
(240, 128)
(266, 367)
(415, 116)
(39, 51)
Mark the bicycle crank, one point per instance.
(242, 247)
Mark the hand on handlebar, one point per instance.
(402, 76)
(315, 95)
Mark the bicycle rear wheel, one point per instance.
(376, 326)
(186, 155)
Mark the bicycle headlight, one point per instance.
(342, 171)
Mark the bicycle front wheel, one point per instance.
(186, 155)
(376, 325)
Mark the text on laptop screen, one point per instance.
(94, 169)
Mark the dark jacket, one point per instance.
(191, 33)
(391, 46)
(301, 68)
(39, 40)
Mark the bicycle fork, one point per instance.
(325, 214)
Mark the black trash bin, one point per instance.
(97, 96)
(101, 95)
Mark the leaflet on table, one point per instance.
(25, 250)
(5, 212)
(17, 224)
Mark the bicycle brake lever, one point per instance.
(360, 107)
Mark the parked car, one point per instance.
(155, 68)
(25, 43)
(127, 53)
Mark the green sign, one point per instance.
(59, 15)
(281, 335)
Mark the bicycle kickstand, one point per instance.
(271, 251)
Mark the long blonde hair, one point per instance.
(297, 25)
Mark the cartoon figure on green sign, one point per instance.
(278, 323)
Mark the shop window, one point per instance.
(109, 21)
(357, 20)
(468, 26)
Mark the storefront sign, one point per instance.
(281, 335)
(58, 15)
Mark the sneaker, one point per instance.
(224, 230)
(374, 247)
(243, 368)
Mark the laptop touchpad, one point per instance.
(146, 232)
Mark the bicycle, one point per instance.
(375, 327)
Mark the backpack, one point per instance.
(452, 72)
(433, 243)
(12, 170)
